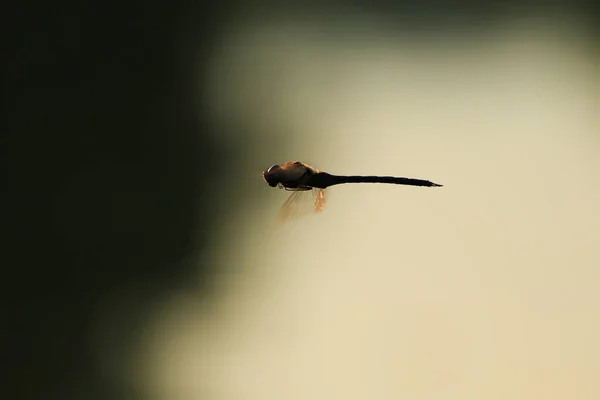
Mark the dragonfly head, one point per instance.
(271, 175)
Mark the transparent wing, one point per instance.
(302, 203)
(319, 199)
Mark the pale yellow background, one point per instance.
(487, 288)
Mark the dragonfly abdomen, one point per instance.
(323, 180)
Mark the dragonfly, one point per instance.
(301, 178)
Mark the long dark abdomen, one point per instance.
(323, 180)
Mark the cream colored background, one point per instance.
(486, 288)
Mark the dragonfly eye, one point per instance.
(270, 178)
(273, 167)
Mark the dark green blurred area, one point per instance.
(106, 154)
(108, 162)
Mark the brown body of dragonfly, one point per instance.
(300, 177)
(297, 175)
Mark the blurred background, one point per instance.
(139, 256)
